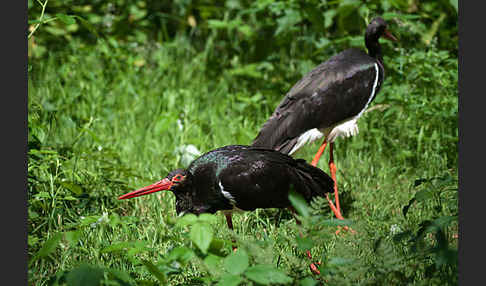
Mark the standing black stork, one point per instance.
(328, 101)
(240, 177)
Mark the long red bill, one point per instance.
(163, 185)
(389, 36)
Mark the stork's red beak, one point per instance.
(389, 36)
(163, 185)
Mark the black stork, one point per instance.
(238, 177)
(328, 101)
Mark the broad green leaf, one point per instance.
(209, 218)
(201, 234)
(66, 19)
(245, 30)
(429, 35)
(43, 195)
(137, 247)
(455, 4)
(181, 254)
(31, 22)
(308, 281)
(32, 214)
(89, 220)
(87, 25)
(85, 275)
(328, 17)
(299, 203)
(267, 274)
(115, 247)
(249, 70)
(122, 275)
(446, 256)
(55, 31)
(49, 246)
(76, 189)
(164, 124)
(336, 261)
(304, 243)
(288, 21)
(32, 240)
(237, 262)
(188, 219)
(229, 280)
(214, 264)
(440, 223)
(155, 271)
(217, 24)
(423, 195)
(217, 247)
(73, 237)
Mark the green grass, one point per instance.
(107, 119)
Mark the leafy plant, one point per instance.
(111, 111)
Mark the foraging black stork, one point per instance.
(328, 101)
(240, 177)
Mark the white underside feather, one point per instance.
(347, 128)
(227, 194)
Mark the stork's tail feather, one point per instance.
(312, 181)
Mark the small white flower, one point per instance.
(179, 125)
(188, 153)
(394, 229)
(103, 218)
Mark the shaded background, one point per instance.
(119, 89)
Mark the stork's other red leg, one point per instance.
(229, 221)
(319, 153)
(335, 209)
(333, 169)
(312, 266)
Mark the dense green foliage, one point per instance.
(117, 88)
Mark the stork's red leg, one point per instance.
(333, 169)
(312, 266)
(319, 153)
(229, 222)
(335, 209)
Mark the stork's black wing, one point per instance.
(262, 178)
(333, 92)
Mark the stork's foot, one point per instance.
(314, 268)
(345, 229)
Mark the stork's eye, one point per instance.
(177, 178)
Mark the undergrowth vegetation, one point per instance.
(117, 93)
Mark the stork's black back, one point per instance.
(247, 178)
(333, 92)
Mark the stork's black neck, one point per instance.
(374, 47)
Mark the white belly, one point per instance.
(346, 128)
